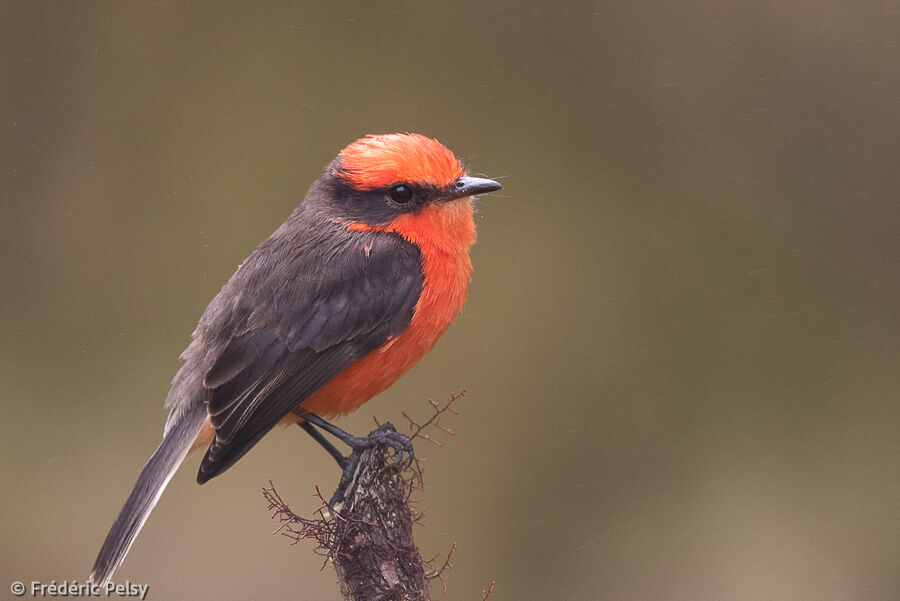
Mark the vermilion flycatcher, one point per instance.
(348, 294)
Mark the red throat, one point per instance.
(380, 161)
(444, 236)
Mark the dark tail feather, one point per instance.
(146, 492)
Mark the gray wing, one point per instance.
(300, 310)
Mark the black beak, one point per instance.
(469, 186)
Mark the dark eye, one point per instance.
(401, 193)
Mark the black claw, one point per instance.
(385, 434)
(388, 435)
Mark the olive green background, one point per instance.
(682, 342)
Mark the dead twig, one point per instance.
(367, 533)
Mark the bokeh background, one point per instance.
(682, 342)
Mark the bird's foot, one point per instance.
(385, 434)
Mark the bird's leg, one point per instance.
(319, 438)
(384, 434)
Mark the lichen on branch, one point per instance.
(367, 534)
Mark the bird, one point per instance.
(352, 290)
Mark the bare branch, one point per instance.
(366, 529)
(439, 573)
(417, 430)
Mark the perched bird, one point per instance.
(340, 301)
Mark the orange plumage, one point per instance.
(447, 269)
(380, 161)
(443, 233)
(377, 257)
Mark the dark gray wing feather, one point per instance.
(298, 312)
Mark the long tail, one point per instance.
(146, 492)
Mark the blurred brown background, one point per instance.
(681, 344)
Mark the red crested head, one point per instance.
(380, 161)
